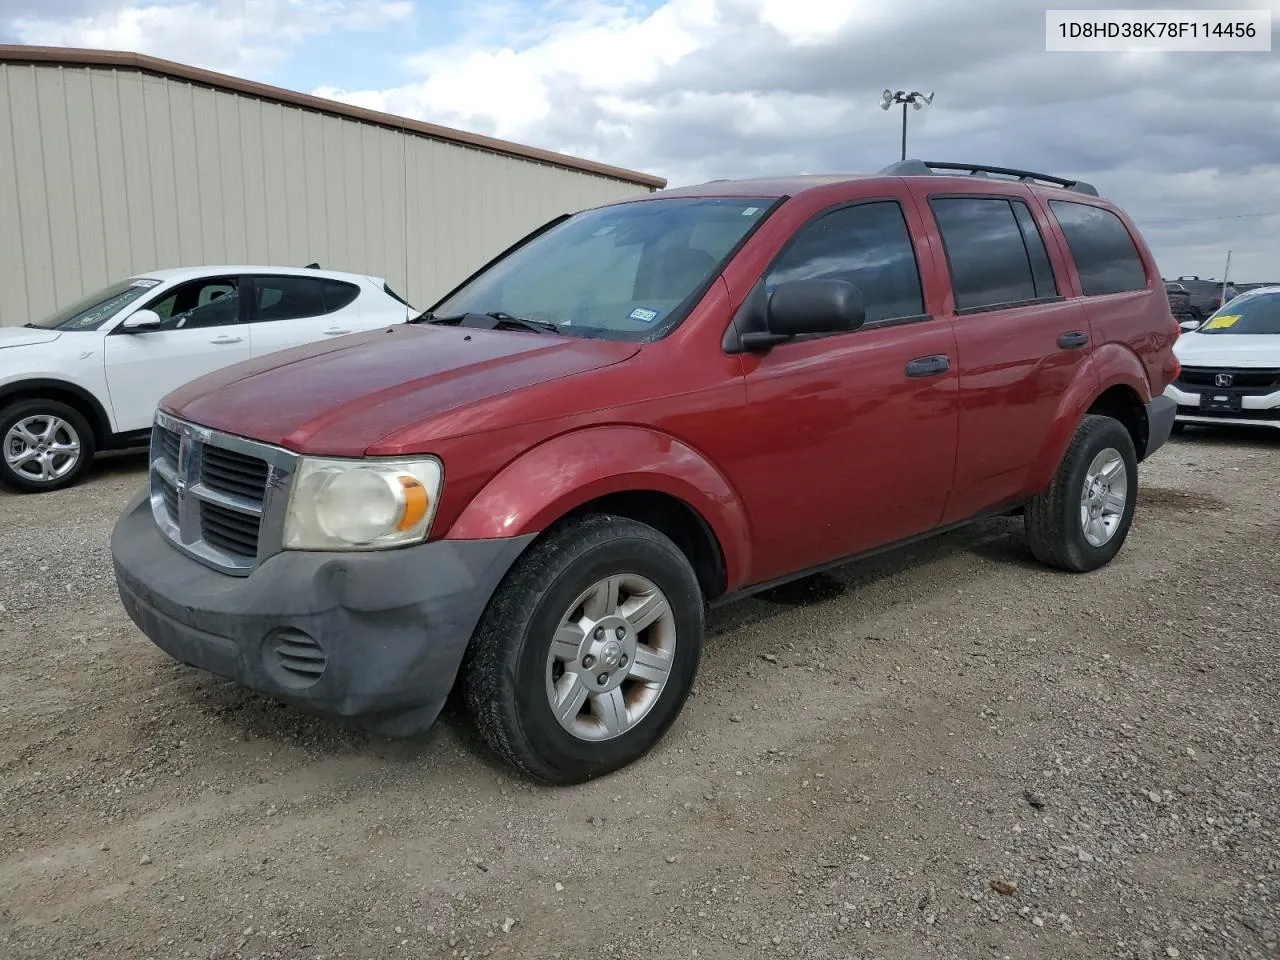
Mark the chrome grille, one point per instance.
(218, 497)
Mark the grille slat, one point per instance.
(169, 446)
(230, 531)
(234, 472)
(170, 500)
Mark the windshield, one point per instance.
(1249, 313)
(95, 309)
(622, 272)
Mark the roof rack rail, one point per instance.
(919, 168)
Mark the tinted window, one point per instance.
(289, 298)
(866, 244)
(209, 302)
(1041, 268)
(985, 250)
(1105, 256)
(338, 294)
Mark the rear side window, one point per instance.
(338, 295)
(994, 252)
(1104, 253)
(866, 244)
(293, 298)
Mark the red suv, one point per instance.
(537, 488)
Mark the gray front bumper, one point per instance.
(377, 635)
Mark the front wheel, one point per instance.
(46, 445)
(587, 651)
(1082, 520)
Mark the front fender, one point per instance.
(565, 472)
(1108, 366)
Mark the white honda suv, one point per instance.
(1231, 365)
(88, 377)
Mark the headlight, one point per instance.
(361, 504)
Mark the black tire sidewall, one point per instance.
(573, 759)
(27, 408)
(1102, 434)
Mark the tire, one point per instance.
(510, 672)
(1055, 521)
(25, 427)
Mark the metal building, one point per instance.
(116, 163)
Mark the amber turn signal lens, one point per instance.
(416, 502)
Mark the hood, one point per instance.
(1228, 350)
(341, 396)
(26, 336)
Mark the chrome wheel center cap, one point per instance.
(611, 655)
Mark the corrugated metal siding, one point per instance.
(106, 173)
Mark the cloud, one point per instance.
(696, 89)
(233, 36)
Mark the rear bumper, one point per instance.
(377, 635)
(1161, 412)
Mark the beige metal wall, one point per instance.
(105, 173)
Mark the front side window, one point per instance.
(868, 245)
(987, 251)
(622, 272)
(1104, 253)
(91, 312)
(209, 302)
(1249, 313)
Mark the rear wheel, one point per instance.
(1082, 520)
(45, 445)
(588, 650)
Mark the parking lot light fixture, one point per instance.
(915, 99)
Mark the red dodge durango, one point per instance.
(537, 488)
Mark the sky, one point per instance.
(691, 90)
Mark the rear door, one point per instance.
(1020, 342)
(202, 331)
(854, 433)
(289, 310)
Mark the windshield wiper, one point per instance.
(490, 321)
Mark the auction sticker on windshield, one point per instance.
(1222, 322)
(643, 315)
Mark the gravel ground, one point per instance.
(947, 752)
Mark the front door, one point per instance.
(855, 432)
(201, 333)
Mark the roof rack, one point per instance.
(922, 168)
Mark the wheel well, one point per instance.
(679, 521)
(1123, 403)
(73, 397)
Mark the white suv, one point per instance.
(89, 376)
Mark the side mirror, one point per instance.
(1188, 325)
(141, 320)
(806, 307)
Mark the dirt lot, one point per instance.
(947, 752)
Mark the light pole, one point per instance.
(915, 98)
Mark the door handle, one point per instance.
(1073, 340)
(928, 366)
(225, 340)
(334, 333)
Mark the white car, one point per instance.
(88, 377)
(1231, 364)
